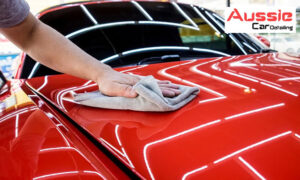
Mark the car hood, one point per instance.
(244, 123)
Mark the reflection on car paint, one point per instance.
(146, 147)
(105, 125)
(251, 168)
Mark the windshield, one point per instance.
(127, 33)
(162, 25)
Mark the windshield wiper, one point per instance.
(267, 50)
(165, 58)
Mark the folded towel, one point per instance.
(150, 98)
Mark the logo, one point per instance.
(260, 20)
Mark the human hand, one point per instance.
(113, 83)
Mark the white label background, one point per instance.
(237, 26)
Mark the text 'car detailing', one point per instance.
(260, 20)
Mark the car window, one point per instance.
(111, 30)
(173, 29)
(115, 12)
(67, 20)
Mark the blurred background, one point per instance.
(280, 42)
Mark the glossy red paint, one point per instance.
(244, 123)
(36, 143)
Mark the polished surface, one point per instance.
(244, 124)
(36, 144)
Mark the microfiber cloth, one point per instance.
(150, 98)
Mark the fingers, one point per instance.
(163, 82)
(168, 89)
(171, 86)
(127, 91)
(169, 92)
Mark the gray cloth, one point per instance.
(149, 98)
(12, 12)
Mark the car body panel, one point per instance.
(36, 143)
(245, 122)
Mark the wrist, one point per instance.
(102, 72)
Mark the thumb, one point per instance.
(126, 91)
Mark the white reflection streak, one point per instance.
(250, 47)
(70, 100)
(126, 156)
(17, 126)
(94, 172)
(87, 12)
(44, 84)
(142, 10)
(196, 70)
(213, 99)
(61, 93)
(154, 49)
(194, 171)
(68, 172)
(56, 174)
(254, 111)
(164, 73)
(297, 135)
(65, 139)
(288, 62)
(242, 64)
(229, 59)
(217, 22)
(252, 146)
(184, 14)
(289, 79)
(251, 168)
(65, 148)
(172, 137)
(21, 111)
(275, 74)
(211, 51)
(88, 82)
(260, 79)
(215, 67)
(36, 65)
(292, 71)
(111, 146)
(252, 68)
(237, 43)
(168, 24)
(263, 55)
(204, 18)
(56, 149)
(240, 76)
(117, 134)
(279, 89)
(274, 65)
(108, 59)
(120, 143)
(98, 26)
(131, 69)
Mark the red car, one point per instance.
(244, 124)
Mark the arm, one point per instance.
(53, 50)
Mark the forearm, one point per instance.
(55, 51)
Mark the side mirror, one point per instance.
(264, 40)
